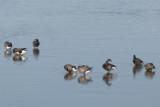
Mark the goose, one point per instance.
(149, 66)
(36, 43)
(70, 68)
(84, 69)
(8, 45)
(19, 51)
(107, 66)
(137, 61)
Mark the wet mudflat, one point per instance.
(79, 32)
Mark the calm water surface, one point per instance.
(79, 32)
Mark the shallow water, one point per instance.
(79, 32)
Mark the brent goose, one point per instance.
(107, 66)
(19, 51)
(70, 68)
(84, 69)
(8, 45)
(149, 66)
(137, 61)
(36, 43)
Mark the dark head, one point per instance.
(134, 56)
(152, 65)
(15, 49)
(108, 60)
(75, 67)
(36, 40)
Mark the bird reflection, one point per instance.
(7, 53)
(84, 79)
(108, 77)
(36, 51)
(150, 74)
(19, 58)
(70, 76)
(137, 69)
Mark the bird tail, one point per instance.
(90, 68)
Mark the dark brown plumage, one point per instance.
(8, 45)
(36, 43)
(84, 69)
(149, 66)
(19, 51)
(137, 61)
(70, 68)
(107, 66)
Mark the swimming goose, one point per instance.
(19, 51)
(36, 43)
(8, 45)
(149, 66)
(137, 61)
(84, 69)
(70, 68)
(107, 66)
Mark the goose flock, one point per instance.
(84, 69)
(19, 51)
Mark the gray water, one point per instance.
(80, 32)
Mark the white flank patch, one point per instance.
(23, 52)
(114, 68)
(73, 69)
(8, 47)
(87, 71)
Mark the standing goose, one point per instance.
(107, 66)
(137, 61)
(70, 68)
(84, 69)
(149, 66)
(8, 45)
(36, 43)
(19, 51)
